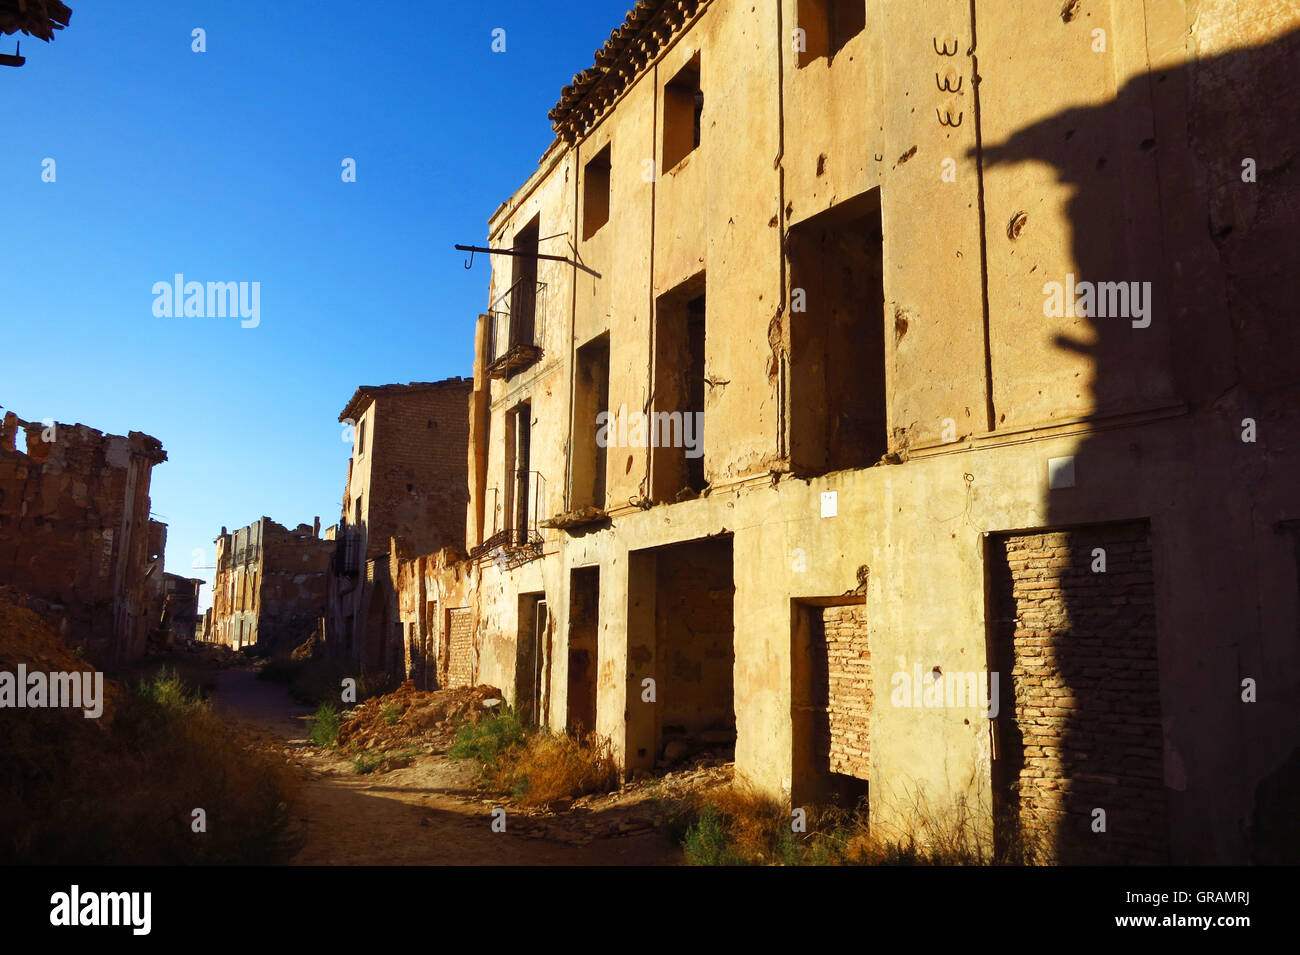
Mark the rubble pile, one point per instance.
(26, 639)
(409, 716)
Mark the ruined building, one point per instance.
(908, 409)
(180, 616)
(406, 492)
(271, 586)
(75, 532)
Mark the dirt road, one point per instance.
(428, 813)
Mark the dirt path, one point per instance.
(428, 813)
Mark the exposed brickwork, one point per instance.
(1079, 727)
(75, 530)
(842, 724)
(270, 586)
(418, 478)
(408, 481)
(460, 647)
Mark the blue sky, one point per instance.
(225, 166)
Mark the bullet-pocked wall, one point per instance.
(1059, 342)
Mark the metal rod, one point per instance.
(529, 255)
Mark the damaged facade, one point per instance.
(406, 493)
(808, 226)
(75, 532)
(271, 586)
(180, 616)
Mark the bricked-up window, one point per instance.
(828, 26)
(683, 111)
(595, 193)
(836, 399)
(1078, 727)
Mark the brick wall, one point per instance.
(1079, 726)
(841, 725)
(75, 530)
(460, 647)
(419, 473)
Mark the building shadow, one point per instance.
(1197, 522)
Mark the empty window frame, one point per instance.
(828, 26)
(676, 428)
(836, 403)
(589, 441)
(683, 111)
(595, 193)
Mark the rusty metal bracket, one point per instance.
(528, 255)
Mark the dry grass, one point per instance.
(740, 826)
(80, 791)
(546, 768)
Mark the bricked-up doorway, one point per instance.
(584, 639)
(1078, 727)
(830, 671)
(459, 651)
(681, 634)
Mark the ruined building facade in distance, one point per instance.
(406, 492)
(878, 380)
(271, 586)
(75, 533)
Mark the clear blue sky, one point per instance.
(225, 166)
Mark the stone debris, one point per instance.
(408, 716)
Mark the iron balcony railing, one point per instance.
(516, 519)
(515, 327)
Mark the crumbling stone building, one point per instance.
(406, 492)
(180, 616)
(75, 532)
(271, 585)
(887, 349)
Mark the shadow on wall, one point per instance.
(1174, 209)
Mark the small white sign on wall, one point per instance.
(1060, 472)
(830, 503)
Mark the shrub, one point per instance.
(390, 714)
(547, 767)
(366, 763)
(708, 842)
(325, 726)
(488, 738)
